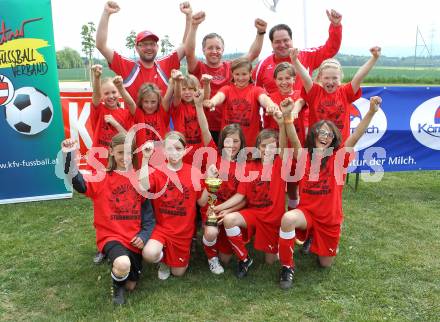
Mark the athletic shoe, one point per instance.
(305, 249)
(215, 266)
(163, 272)
(286, 277)
(118, 294)
(243, 267)
(98, 258)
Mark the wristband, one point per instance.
(261, 32)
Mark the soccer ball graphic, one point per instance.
(30, 111)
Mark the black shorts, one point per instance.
(114, 249)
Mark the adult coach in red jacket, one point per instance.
(147, 68)
(281, 39)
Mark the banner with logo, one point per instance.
(404, 135)
(31, 125)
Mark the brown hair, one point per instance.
(241, 62)
(228, 130)
(145, 89)
(263, 135)
(119, 139)
(190, 81)
(329, 63)
(284, 66)
(279, 27)
(312, 134)
(211, 36)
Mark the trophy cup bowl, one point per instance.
(212, 185)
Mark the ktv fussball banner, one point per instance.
(404, 135)
(31, 125)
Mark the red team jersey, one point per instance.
(185, 121)
(221, 76)
(266, 202)
(104, 132)
(334, 107)
(135, 74)
(175, 210)
(117, 210)
(241, 106)
(311, 58)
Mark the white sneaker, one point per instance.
(215, 266)
(163, 272)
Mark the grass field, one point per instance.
(379, 74)
(388, 267)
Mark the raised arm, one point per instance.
(375, 103)
(144, 173)
(112, 121)
(300, 69)
(298, 105)
(69, 148)
(170, 93)
(110, 8)
(185, 8)
(190, 42)
(177, 79)
(96, 84)
(286, 107)
(282, 138)
(206, 83)
(201, 118)
(257, 45)
(365, 68)
(131, 104)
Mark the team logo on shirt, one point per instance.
(260, 194)
(173, 201)
(425, 123)
(124, 203)
(375, 130)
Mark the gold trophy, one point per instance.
(212, 185)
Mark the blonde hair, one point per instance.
(148, 88)
(119, 139)
(282, 67)
(329, 63)
(190, 81)
(177, 136)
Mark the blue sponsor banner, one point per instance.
(404, 135)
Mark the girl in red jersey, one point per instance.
(242, 100)
(319, 214)
(122, 218)
(231, 142)
(183, 111)
(107, 117)
(177, 187)
(327, 98)
(264, 191)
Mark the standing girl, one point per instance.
(242, 101)
(122, 218)
(319, 215)
(327, 98)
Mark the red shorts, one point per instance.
(325, 239)
(176, 251)
(266, 235)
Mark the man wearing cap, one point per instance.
(147, 68)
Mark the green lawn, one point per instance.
(388, 267)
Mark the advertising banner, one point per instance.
(31, 124)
